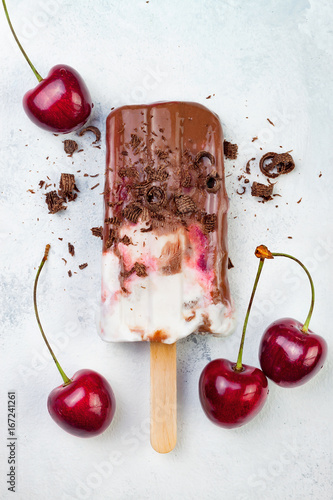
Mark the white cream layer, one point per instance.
(174, 305)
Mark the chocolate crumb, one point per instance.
(71, 249)
(270, 121)
(185, 204)
(60, 239)
(70, 147)
(299, 201)
(83, 266)
(64, 260)
(246, 181)
(97, 231)
(290, 237)
(230, 264)
(70, 273)
(209, 97)
(94, 130)
(261, 190)
(230, 150)
(31, 191)
(54, 202)
(320, 174)
(95, 186)
(41, 184)
(283, 163)
(254, 138)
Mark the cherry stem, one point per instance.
(37, 75)
(62, 373)
(239, 365)
(305, 327)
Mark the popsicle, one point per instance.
(164, 263)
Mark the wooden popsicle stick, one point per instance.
(163, 396)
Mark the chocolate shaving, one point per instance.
(71, 249)
(163, 155)
(185, 204)
(209, 222)
(155, 196)
(213, 182)
(70, 147)
(204, 154)
(230, 150)
(283, 163)
(147, 229)
(135, 141)
(95, 186)
(299, 201)
(265, 192)
(70, 273)
(132, 212)
(41, 184)
(110, 239)
(230, 264)
(97, 231)
(247, 166)
(94, 130)
(241, 192)
(54, 202)
(140, 270)
(112, 220)
(128, 172)
(67, 186)
(64, 260)
(126, 240)
(156, 175)
(270, 121)
(83, 266)
(186, 180)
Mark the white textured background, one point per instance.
(262, 59)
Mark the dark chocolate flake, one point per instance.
(67, 186)
(70, 147)
(185, 204)
(132, 212)
(97, 231)
(83, 266)
(261, 190)
(54, 202)
(230, 150)
(140, 270)
(209, 222)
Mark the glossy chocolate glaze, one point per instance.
(165, 173)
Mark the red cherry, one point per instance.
(85, 406)
(60, 103)
(288, 355)
(229, 397)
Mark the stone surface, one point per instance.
(261, 60)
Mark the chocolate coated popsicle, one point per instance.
(164, 264)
